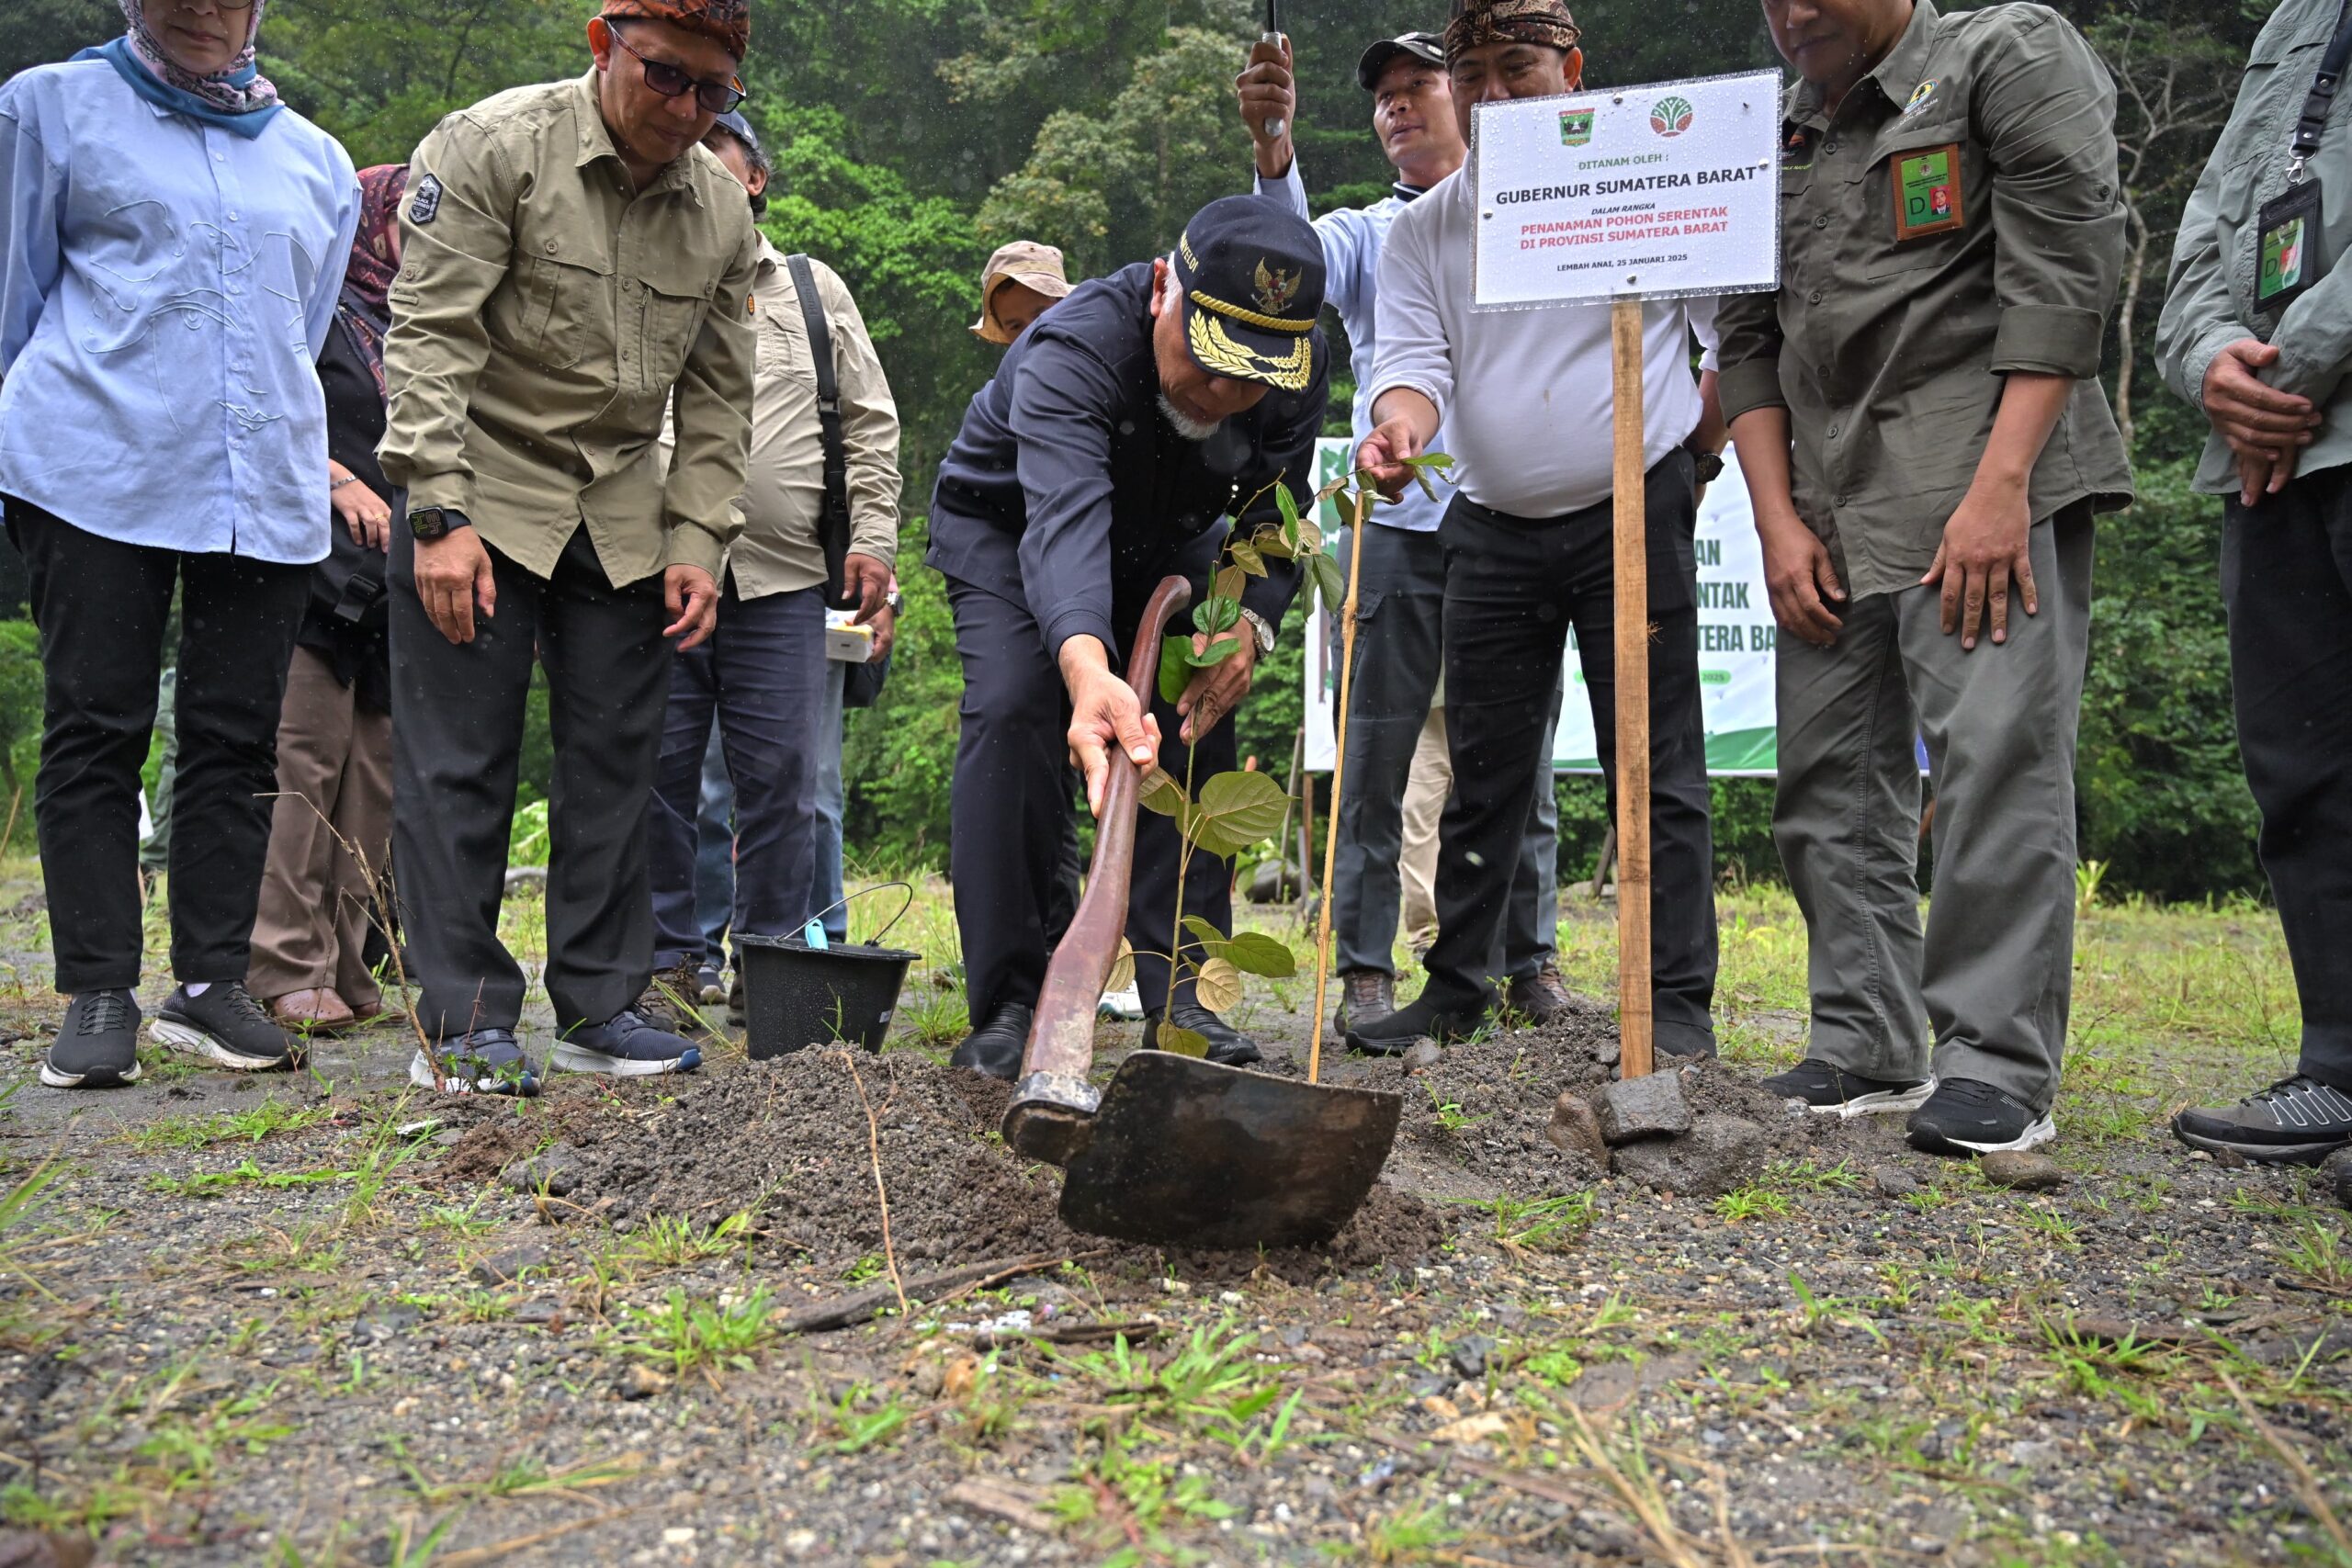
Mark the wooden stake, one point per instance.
(1633, 1020)
(1338, 773)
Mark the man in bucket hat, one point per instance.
(1120, 434)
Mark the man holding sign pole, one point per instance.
(1926, 440)
(1525, 402)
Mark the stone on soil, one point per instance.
(1651, 1106)
(1423, 1054)
(1719, 1154)
(2021, 1172)
(1576, 1128)
(2337, 1172)
(1892, 1182)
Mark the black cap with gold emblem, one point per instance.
(1251, 273)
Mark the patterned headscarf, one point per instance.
(366, 311)
(241, 89)
(1476, 22)
(729, 21)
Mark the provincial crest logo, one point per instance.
(1273, 288)
(1575, 126)
(1671, 116)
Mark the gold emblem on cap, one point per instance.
(1220, 355)
(1273, 288)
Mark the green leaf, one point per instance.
(1184, 1041)
(1160, 792)
(1234, 811)
(1272, 544)
(1255, 952)
(1330, 583)
(1285, 504)
(1205, 931)
(1175, 668)
(1421, 477)
(1440, 461)
(1216, 653)
(1218, 986)
(1232, 579)
(1216, 614)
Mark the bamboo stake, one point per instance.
(1338, 773)
(1633, 1021)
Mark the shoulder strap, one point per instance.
(832, 521)
(2312, 124)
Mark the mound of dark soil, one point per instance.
(787, 1141)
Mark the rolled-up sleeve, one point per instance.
(1411, 333)
(869, 425)
(32, 249)
(712, 413)
(1061, 426)
(2048, 111)
(2199, 316)
(1747, 333)
(449, 268)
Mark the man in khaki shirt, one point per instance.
(573, 261)
(1924, 439)
(763, 674)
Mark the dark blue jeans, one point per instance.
(763, 673)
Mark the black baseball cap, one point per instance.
(1424, 46)
(1251, 273)
(735, 125)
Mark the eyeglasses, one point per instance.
(231, 5)
(715, 97)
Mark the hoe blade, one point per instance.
(1186, 1153)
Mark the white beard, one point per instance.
(1187, 426)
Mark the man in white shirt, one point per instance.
(1403, 591)
(1526, 403)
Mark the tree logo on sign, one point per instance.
(1671, 116)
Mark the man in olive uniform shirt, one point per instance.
(1925, 441)
(2256, 334)
(573, 256)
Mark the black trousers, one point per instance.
(1513, 587)
(102, 607)
(456, 750)
(1012, 811)
(2287, 581)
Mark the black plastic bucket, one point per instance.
(796, 996)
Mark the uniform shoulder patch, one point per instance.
(424, 202)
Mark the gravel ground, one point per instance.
(326, 1319)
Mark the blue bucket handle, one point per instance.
(816, 920)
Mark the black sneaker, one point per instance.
(996, 1046)
(1831, 1091)
(227, 1027)
(1395, 1035)
(487, 1061)
(97, 1045)
(2297, 1121)
(625, 1045)
(1965, 1117)
(1229, 1048)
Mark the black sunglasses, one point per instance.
(715, 97)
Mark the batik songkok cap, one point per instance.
(729, 21)
(1477, 22)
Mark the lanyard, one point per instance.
(2312, 124)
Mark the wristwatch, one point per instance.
(430, 523)
(1710, 466)
(1260, 630)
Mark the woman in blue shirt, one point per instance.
(172, 245)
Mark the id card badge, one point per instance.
(2287, 247)
(1926, 192)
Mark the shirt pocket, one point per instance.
(1881, 200)
(783, 342)
(672, 298)
(567, 309)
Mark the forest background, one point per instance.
(911, 136)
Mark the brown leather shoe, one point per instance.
(318, 1010)
(1543, 995)
(671, 1000)
(1363, 994)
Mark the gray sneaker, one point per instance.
(487, 1061)
(97, 1043)
(227, 1027)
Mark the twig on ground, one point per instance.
(848, 1312)
(998, 1499)
(2307, 1486)
(881, 1194)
